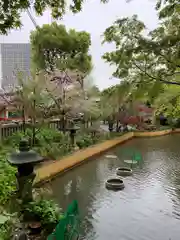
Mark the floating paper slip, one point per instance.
(111, 156)
(130, 161)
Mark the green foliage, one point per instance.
(116, 101)
(47, 211)
(11, 10)
(167, 8)
(146, 59)
(149, 61)
(53, 144)
(84, 141)
(54, 45)
(49, 142)
(16, 137)
(7, 179)
(7, 225)
(90, 138)
(168, 102)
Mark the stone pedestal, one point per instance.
(24, 187)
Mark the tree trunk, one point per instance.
(153, 118)
(33, 132)
(117, 125)
(34, 123)
(24, 119)
(91, 122)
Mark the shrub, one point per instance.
(7, 179)
(45, 211)
(49, 142)
(8, 223)
(83, 141)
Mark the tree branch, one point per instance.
(168, 60)
(155, 78)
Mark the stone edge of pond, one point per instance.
(155, 133)
(50, 171)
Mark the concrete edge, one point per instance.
(47, 172)
(153, 134)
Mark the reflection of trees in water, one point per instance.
(81, 185)
(111, 164)
(173, 188)
(85, 183)
(170, 170)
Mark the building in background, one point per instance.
(14, 58)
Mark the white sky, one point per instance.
(94, 18)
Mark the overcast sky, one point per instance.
(94, 18)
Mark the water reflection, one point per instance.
(149, 206)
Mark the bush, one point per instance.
(86, 140)
(83, 141)
(16, 137)
(50, 143)
(7, 179)
(8, 224)
(176, 124)
(53, 144)
(45, 211)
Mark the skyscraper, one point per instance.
(14, 58)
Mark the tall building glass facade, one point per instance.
(14, 58)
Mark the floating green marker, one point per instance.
(68, 226)
(137, 157)
(132, 156)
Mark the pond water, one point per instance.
(149, 206)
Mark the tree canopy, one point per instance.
(10, 16)
(149, 60)
(54, 45)
(146, 59)
(168, 102)
(155, 56)
(11, 10)
(115, 99)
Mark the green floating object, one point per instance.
(132, 155)
(68, 226)
(137, 157)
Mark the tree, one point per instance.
(147, 60)
(167, 8)
(116, 102)
(32, 99)
(11, 10)
(168, 102)
(68, 96)
(55, 47)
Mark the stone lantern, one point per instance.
(25, 160)
(72, 129)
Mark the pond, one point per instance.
(149, 206)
